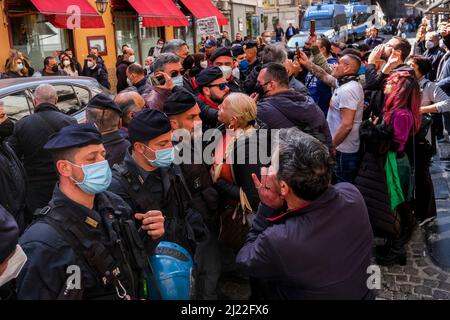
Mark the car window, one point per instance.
(68, 100)
(16, 105)
(83, 95)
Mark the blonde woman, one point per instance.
(15, 67)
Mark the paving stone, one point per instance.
(430, 283)
(444, 286)
(442, 277)
(386, 294)
(401, 278)
(406, 288)
(411, 271)
(415, 279)
(399, 296)
(413, 297)
(422, 290)
(438, 294)
(396, 269)
(421, 262)
(430, 271)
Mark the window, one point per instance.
(17, 105)
(68, 100)
(37, 38)
(149, 38)
(126, 33)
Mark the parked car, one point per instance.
(73, 95)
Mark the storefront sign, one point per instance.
(208, 26)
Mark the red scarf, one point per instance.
(208, 102)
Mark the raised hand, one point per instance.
(267, 189)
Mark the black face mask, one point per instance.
(260, 90)
(6, 129)
(55, 68)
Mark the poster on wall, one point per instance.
(208, 27)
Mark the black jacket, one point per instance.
(98, 73)
(292, 109)
(374, 88)
(249, 78)
(49, 254)
(318, 252)
(435, 56)
(30, 135)
(121, 73)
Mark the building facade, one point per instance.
(284, 12)
(40, 28)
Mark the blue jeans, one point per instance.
(347, 165)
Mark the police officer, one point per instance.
(105, 113)
(148, 179)
(184, 114)
(79, 247)
(223, 58)
(213, 88)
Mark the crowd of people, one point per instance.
(278, 167)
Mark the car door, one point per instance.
(18, 105)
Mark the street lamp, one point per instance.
(101, 5)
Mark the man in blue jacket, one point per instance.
(321, 246)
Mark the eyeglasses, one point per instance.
(222, 86)
(175, 74)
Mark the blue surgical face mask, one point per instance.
(164, 157)
(19, 66)
(243, 65)
(362, 70)
(178, 81)
(97, 177)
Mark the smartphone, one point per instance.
(312, 28)
(158, 80)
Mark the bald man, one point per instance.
(130, 103)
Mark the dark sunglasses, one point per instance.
(222, 86)
(175, 74)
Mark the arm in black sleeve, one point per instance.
(208, 114)
(374, 79)
(229, 189)
(103, 79)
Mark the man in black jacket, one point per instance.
(280, 107)
(395, 52)
(30, 135)
(96, 71)
(136, 78)
(12, 175)
(128, 58)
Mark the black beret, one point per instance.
(103, 101)
(77, 135)
(221, 52)
(179, 101)
(9, 234)
(250, 44)
(148, 124)
(237, 50)
(208, 75)
(350, 51)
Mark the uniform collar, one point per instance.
(111, 137)
(46, 107)
(136, 169)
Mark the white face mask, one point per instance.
(429, 44)
(227, 71)
(129, 82)
(90, 64)
(442, 44)
(66, 63)
(132, 59)
(267, 39)
(236, 73)
(204, 64)
(15, 265)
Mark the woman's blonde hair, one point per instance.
(243, 108)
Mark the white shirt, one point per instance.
(349, 96)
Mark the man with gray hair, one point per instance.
(434, 53)
(178, 47)
(322, 226)
(168, 72)
(30, 135)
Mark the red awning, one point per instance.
(62, 13)
(204, 9)
(159, 13)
